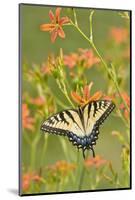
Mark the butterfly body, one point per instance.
(80, 125)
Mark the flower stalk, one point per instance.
(99, 55)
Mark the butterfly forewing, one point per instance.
(62, 122)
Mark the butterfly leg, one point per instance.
(83, 150)
(93, 152)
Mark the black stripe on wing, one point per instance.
(105, 114)
(89, 109)
(61, 115)
(54, 130)
(71, 117)
(50, 124)
(95, 108)
(81, 115)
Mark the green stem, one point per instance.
(64, 91)
(114, 81)
(64, 147)
(59, 102)
(75, 17)
(110, 74)
(33, 151)
(66, 95)
(26, 137)
(91, 31)
(77, 172)
(77, 27)
(83, 171)
(118, 89)
(103, 62)
(44, 149)
(123, 119)
(44, 91)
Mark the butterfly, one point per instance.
(80, 125)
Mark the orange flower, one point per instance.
(64, 167)
(28, 178)
(71, 60)
(85, 57)
(95, 162)
(110, 98)
(88, 57)
(61, 167)
(86, 98)
(122, 106)
(45, 69)
(39, 101)
(55, 27)
(119, 34)
(27, 121)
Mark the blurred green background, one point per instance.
(36, 46)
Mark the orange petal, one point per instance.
(25, 184)
(54, 34)
(51, 15)
(126, 98)
(119, 34)
(90, 86)
(78, 99)
(47, 27)
(86, 92)
(105, 97)
(122, 106)
(63, 20)
(61, 32)
(96, 96)
(126, 114)
(57, 14)
(36, 178)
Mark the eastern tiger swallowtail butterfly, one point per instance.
(80, 125)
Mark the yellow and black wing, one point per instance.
(95, 113)
(64, 122)
(80, 125)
